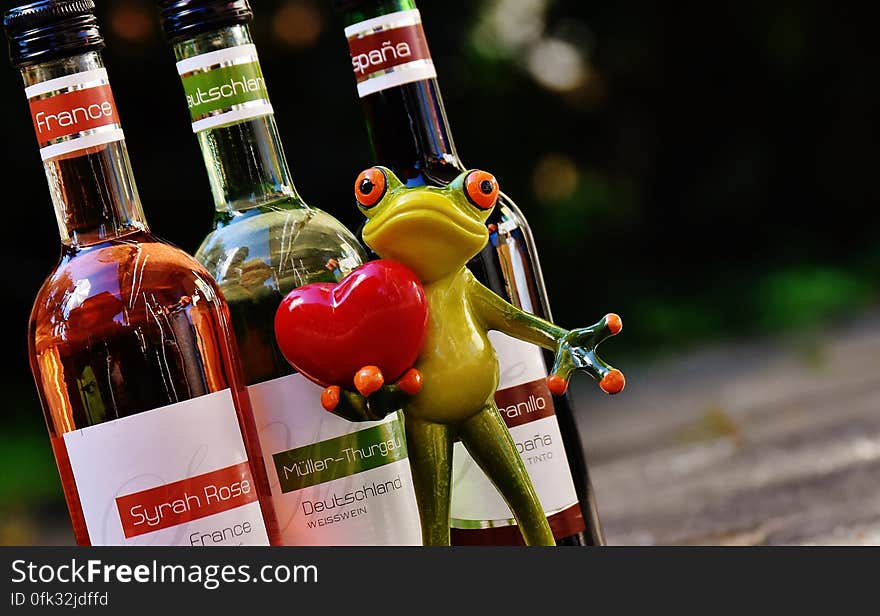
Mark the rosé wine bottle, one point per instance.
(130, 342)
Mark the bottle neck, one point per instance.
(406, 120)
(83, 150)
(234, 121)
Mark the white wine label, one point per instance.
(73, 113)
(527, 407)
(334, 482)
(177, 475)
(224, 87)
(389, 51)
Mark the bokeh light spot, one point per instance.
(133, 22)
(558, 65)
(555, 178)
(298, 23)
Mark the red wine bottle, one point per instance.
(409, 132)
(130, 341)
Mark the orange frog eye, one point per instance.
(482, 189)
(370, 187)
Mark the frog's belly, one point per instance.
(457, 389)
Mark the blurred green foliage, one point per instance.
(32, 477)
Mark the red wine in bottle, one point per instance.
(130, 342)
(397, 85)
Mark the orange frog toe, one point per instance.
(557, 384)
(330, 398)
(411, 382)
(614, 323)
(613, 382)
(369, 380)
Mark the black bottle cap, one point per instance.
(188, 18)
(50, 30)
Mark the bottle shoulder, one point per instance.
(141, 255)
(507, 211)
(119, 283)
(279, 249)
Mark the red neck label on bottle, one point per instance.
(389, 51)
(74, 113)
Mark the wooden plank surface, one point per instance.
(760, 443)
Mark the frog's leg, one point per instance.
(430, 457)
(489, 442)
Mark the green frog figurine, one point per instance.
(436, 232)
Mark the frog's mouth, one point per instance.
(428, 233)
(424, 212)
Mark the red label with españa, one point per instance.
(389, 51)
(73, 113)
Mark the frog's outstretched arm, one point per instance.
(575, 349)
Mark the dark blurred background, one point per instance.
(718, 160)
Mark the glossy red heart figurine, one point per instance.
(377, 316)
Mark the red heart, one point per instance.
(377, 315)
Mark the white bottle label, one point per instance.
(177, 475)
(334, 482)
(526, 405)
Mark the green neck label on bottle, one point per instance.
(389, 51)
(224, 87)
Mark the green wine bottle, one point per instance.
(333, 482)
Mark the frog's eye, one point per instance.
(370, 187)
(481, 189)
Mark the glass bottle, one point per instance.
(129, 337)
(409, 133)
(333, 482)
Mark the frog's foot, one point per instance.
(373, 400)
(577, 351)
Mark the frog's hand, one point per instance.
(373, 401)
(577, 351)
